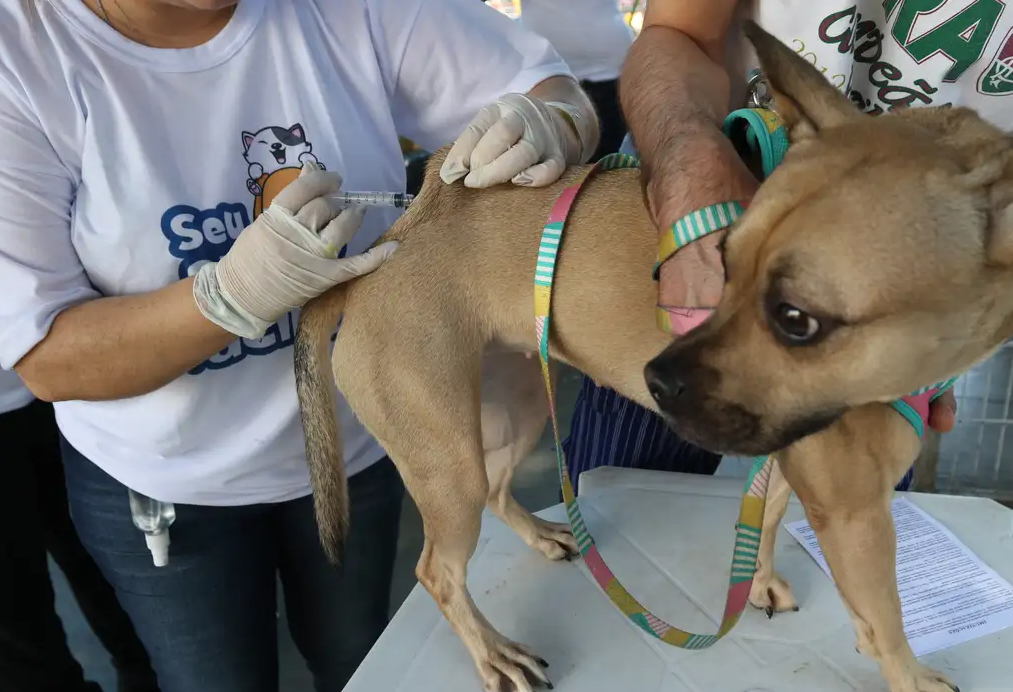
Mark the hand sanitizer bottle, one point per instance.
(153, 518)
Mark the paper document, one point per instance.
(948, 595)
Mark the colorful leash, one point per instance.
(760, 130)
(747, 530)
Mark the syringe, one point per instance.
(400, 200)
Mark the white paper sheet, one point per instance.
(948, 595)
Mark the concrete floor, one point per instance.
(972, 457)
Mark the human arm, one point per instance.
(675, 94)
(459, 66)
(62, 337)
(121, 346)
(67, 341)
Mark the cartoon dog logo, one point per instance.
(275, 156)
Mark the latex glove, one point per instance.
(287, 256)
(519, 138)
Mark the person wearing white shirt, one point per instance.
(35, 524)
(166, 175)
(592, 36)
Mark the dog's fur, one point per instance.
(896, 233)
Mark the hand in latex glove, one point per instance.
(286, 257)
(519, 138)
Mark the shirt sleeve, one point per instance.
(447, 59)
(40, 272)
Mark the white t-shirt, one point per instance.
(892, 53)
(591, 35)
(123, 168)
(13, 392)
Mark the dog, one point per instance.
(920, 291)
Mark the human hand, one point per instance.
(700, 169)
(519, 138)
(943, 412)
(286, 257)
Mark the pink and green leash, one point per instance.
(749, 526)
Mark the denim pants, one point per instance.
(209, 618)
(609, 430)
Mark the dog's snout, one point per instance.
(664, 386)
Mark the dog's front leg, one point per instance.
(770, 592)
(844, 478)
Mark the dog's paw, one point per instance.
(511, 667)
(553, 540)
(929, 680)
(772, 594)
(919, 678)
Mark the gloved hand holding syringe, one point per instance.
(399, 200)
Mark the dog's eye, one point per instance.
(794, 324)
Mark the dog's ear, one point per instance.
(804, 99)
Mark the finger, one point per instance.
(358, 265)
(317, 213)
(943, 412)
(503, 134)
(309, 185)
(519, 157)
(541, 174)
(342, 228)
(455, 166)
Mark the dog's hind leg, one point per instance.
(428, 421)
(451, 522)
(844, 477)
(514, 411)
(770, 592)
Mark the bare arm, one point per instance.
(675, 92)
(119, 347)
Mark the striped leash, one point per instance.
(747, 530)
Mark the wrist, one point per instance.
(577, 127)
(693, 171)
(217, 303)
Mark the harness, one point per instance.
(761, 131)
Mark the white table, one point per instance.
(668, 538)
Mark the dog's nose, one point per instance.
(664, 387)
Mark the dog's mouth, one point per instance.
(730, 429)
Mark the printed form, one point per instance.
(948, 595)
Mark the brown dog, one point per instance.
(431, 353)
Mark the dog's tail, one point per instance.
(318, 410)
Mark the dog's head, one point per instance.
(877, 259)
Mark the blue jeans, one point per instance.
(209, 618)
(610, 430)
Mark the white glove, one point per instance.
(287, 256)
(519, 138)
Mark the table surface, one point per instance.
(668, 537)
